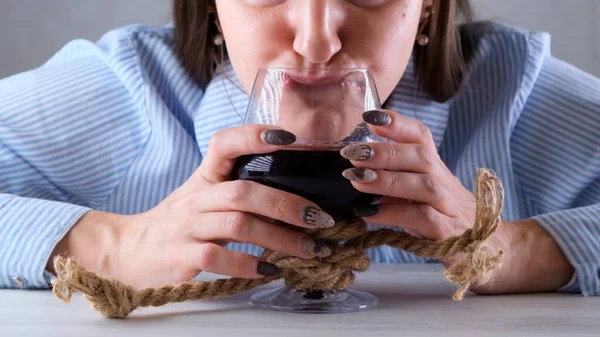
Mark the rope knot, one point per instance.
(334, 272)
(110, 297)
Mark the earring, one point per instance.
(219, 38)
(423, 39)
(218, 41)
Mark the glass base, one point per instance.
(314, 302)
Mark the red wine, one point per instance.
(313, 174)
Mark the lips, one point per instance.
(316, 79)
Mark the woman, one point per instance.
(118, 152)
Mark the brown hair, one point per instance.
(440, 65)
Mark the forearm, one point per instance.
(93, 242)
(533, 261)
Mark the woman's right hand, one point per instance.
(185, 234)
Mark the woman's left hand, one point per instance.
(420, 193)
(422, 196)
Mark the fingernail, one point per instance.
(357, 152)
(318, 218)
(266, 269)
(278, 137)
(377, 117)
(314, 248)
(364, 212)
(360, 174)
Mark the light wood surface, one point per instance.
(414, 301)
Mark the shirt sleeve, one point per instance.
(69, 131)
(29, 230)
(556, 153)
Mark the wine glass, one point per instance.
(323, 108)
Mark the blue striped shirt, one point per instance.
(117, 125)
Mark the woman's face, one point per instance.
(374, 34)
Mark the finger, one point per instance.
(215, 259)
(252, 197)
(243, 227)
(393, 156)
(401, 129)
(226, 145)
(422, 188)
(415, 218)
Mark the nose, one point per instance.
(317, 26)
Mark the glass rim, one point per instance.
(315, 69)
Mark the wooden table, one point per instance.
(414, 301)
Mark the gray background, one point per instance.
(32, 30)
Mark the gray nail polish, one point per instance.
(364, 212)
(317, 218)
(266, 269)
(314, 248)
(278, 137)
(377, 117)
(357, 152)
(360, 174)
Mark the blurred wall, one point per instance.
(574, 25)
(32, 30)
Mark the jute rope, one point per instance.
(348, 241)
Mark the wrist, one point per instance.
(533, 261)
(546, 266)
(512, 239)
(93, 241)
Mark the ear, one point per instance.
(427, 4)
(426, 9)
